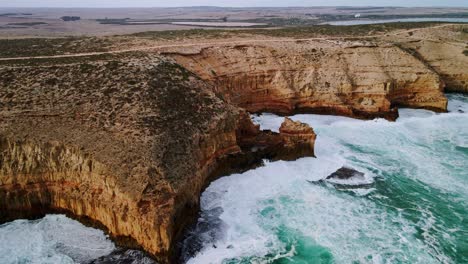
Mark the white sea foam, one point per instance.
(54, 239)
(420, 146)
(458, 104)
(347, 225)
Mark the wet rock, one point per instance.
(345, 173)
(344, 179)
(125, 256)
(207, 230)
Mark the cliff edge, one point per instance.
(126, 144)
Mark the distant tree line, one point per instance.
(70, 18)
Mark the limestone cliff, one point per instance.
(358, 79)
(444, 50)
(126, 143)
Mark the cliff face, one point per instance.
(124, 143)
(444, 49)
(358, 79)
(448, 59)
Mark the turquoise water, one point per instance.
(415, 210)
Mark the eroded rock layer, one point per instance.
(358, 79)
(127, 144)
(445, 50)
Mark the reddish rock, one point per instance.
(298, 137)
(127, 148)
(349, 78)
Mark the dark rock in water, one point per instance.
(208, 230)
(125, 256)
(345, 173)
(461, 111)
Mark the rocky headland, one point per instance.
(126, 144)
(128, 140)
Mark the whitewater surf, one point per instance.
(412, 207)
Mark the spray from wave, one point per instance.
(408, 205)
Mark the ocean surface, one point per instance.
(411, 206)
(364, 21)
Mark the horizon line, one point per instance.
(213, 6)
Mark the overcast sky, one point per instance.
(233, 3)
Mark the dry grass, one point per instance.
(50, 47)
